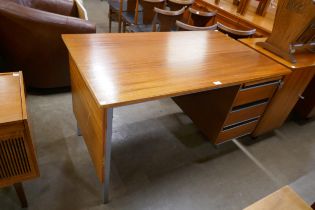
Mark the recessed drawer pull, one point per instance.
(249, 105)
(239, 124)
(237, 131)
(261, 85)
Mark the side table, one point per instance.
(17, 156)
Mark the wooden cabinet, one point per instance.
(230, 112)
(298, 84)
(17, 156)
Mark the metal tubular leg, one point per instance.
(78, 131)
(108, 147)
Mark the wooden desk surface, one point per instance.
(304, 60)
(283, 199)
(10, 98)
(121, 69)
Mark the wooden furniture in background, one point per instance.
(294, 27)
(165, 20)
(179, 4)
(116, 8)
(17, 156)
(185, 27)
(242, 6)
(283, 199)
(131, 14)
(228, 15)
(234, 33)
(201, 18)
(293, 87)
(305, 107)
(147, 16)
(263, 7)
(149, 66)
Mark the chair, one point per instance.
(178, 4)
(235, 33)
(201, 18)
(30, 39)
(166, 20)
(147, 15)
(116, 8)
(131, 16)
(185, 27)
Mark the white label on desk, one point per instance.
(217, 83)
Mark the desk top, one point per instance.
(304, 60)
(283, 199)
(11, 102)
(128, 68)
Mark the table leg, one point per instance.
(21, 194)
(78, 130)
(107, 149)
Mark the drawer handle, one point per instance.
(250, 105)
(278, 82)
(239, 124)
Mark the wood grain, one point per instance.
(254, 94)
(283, 199)
(290, 22)
(245, 114)
(90, 118)
(121, 69)
(10, 106)
(304, 59)
(208, 110)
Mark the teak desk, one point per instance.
(112, 70)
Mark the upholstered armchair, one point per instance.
(30, 39)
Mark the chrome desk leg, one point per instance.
(78, 130)
(107, 149)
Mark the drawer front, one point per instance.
(254, 93)
(245, 113)
(236, 131)
(270, 80)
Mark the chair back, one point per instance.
(235, 33)
(166, 20)
(185, 27)
(131, 5)
(201, 18)
(178, 4)
(148, 9)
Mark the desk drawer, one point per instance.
(237, 130)
(243, 113)
(256, 92)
